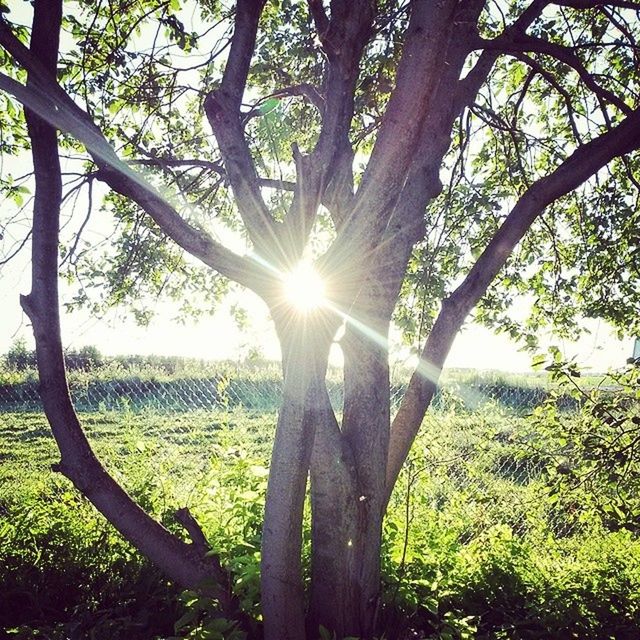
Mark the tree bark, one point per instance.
(334, 528)
(347, 489)
(305, 346)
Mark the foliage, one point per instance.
(19, 358)
(597, 456)
(127, 67)
(65, 572)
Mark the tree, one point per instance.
(339, 120)
(19, 357)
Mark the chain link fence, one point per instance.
(476, 464)
(251, 389)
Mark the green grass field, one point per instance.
(474, 546)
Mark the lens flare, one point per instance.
(303, 288)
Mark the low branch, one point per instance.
(184, 517)
(575, 170)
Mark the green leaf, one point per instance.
(268, 105)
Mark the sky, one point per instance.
(218, 337)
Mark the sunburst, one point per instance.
(304, 288)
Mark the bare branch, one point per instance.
(284, 185)
(510, 43)
(69, 257)
(17, 250)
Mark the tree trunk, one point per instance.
(347, 493)
(334, 527)
(305, 347)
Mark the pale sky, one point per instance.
(217, 337)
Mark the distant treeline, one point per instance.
(19, 358)
(176, 383)
(181, 384)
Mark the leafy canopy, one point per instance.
(142, 70)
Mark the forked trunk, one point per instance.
(347, 489)
(348, 496)
(305, 354)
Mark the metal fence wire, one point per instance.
(477, 463)
(250, 390)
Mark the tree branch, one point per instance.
(191, 526)
(386, 221)
(45, 97)
(510, 43)
(320, 18)
(421, 69)
(222, 108)
(328, 168)
(272, 183)
(551, 80)
(183, 563)
(305, 90)
(576, 169)
(595, 4)
(469, 86)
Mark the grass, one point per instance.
(473, 548)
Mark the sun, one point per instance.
(303, 288)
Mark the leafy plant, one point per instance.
(597, 452)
